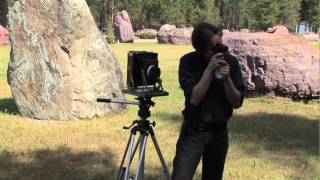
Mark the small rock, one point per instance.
(146, 34)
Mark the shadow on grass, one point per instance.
(62, 163)
(8, 106)
(277, 132)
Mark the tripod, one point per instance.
(145, 128)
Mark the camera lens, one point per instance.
(153, 73)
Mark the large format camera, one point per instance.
(143, 81)
(219, 48)
(143, 74)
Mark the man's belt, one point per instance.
(203, 127)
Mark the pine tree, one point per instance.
(264, 13)
(310, 12)
(289, 13)
(211, 12)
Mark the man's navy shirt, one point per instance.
(214, 107)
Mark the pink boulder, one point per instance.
(169, 34)
(124, 30)
(276, 64)
(4, 36)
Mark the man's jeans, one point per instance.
(192, 145)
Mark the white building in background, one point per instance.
(304, 27)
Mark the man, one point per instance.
(209, 102)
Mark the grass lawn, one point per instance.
(316, 44)
(270, 138)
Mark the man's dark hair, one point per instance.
(202, 34)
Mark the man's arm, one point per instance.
(201, 88)
(234, 95)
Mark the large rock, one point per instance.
(124, 30)
(169, 34)
(4, 36)
(283, 65)
(163, 34)
(59, 62)
(146, 33)
(181, 36)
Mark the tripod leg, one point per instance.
(126, 176)
(123, 158)
(140, 169)
(135, 150)
(165, 167)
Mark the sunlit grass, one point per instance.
(4, 58)
(270, 138)
(316, 44)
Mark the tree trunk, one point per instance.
(109, 14)
(110, 11)
(103, 15)
(4, 13)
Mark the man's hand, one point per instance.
(214, 61)
(224, 68)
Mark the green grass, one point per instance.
(4, 57)
(316, 44)
(270, 138)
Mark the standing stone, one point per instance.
(124, 30)
(59, 62)
(163, 34)
(170, 34)
(273, 64)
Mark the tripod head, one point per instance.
(144, 100)
(144, 106)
